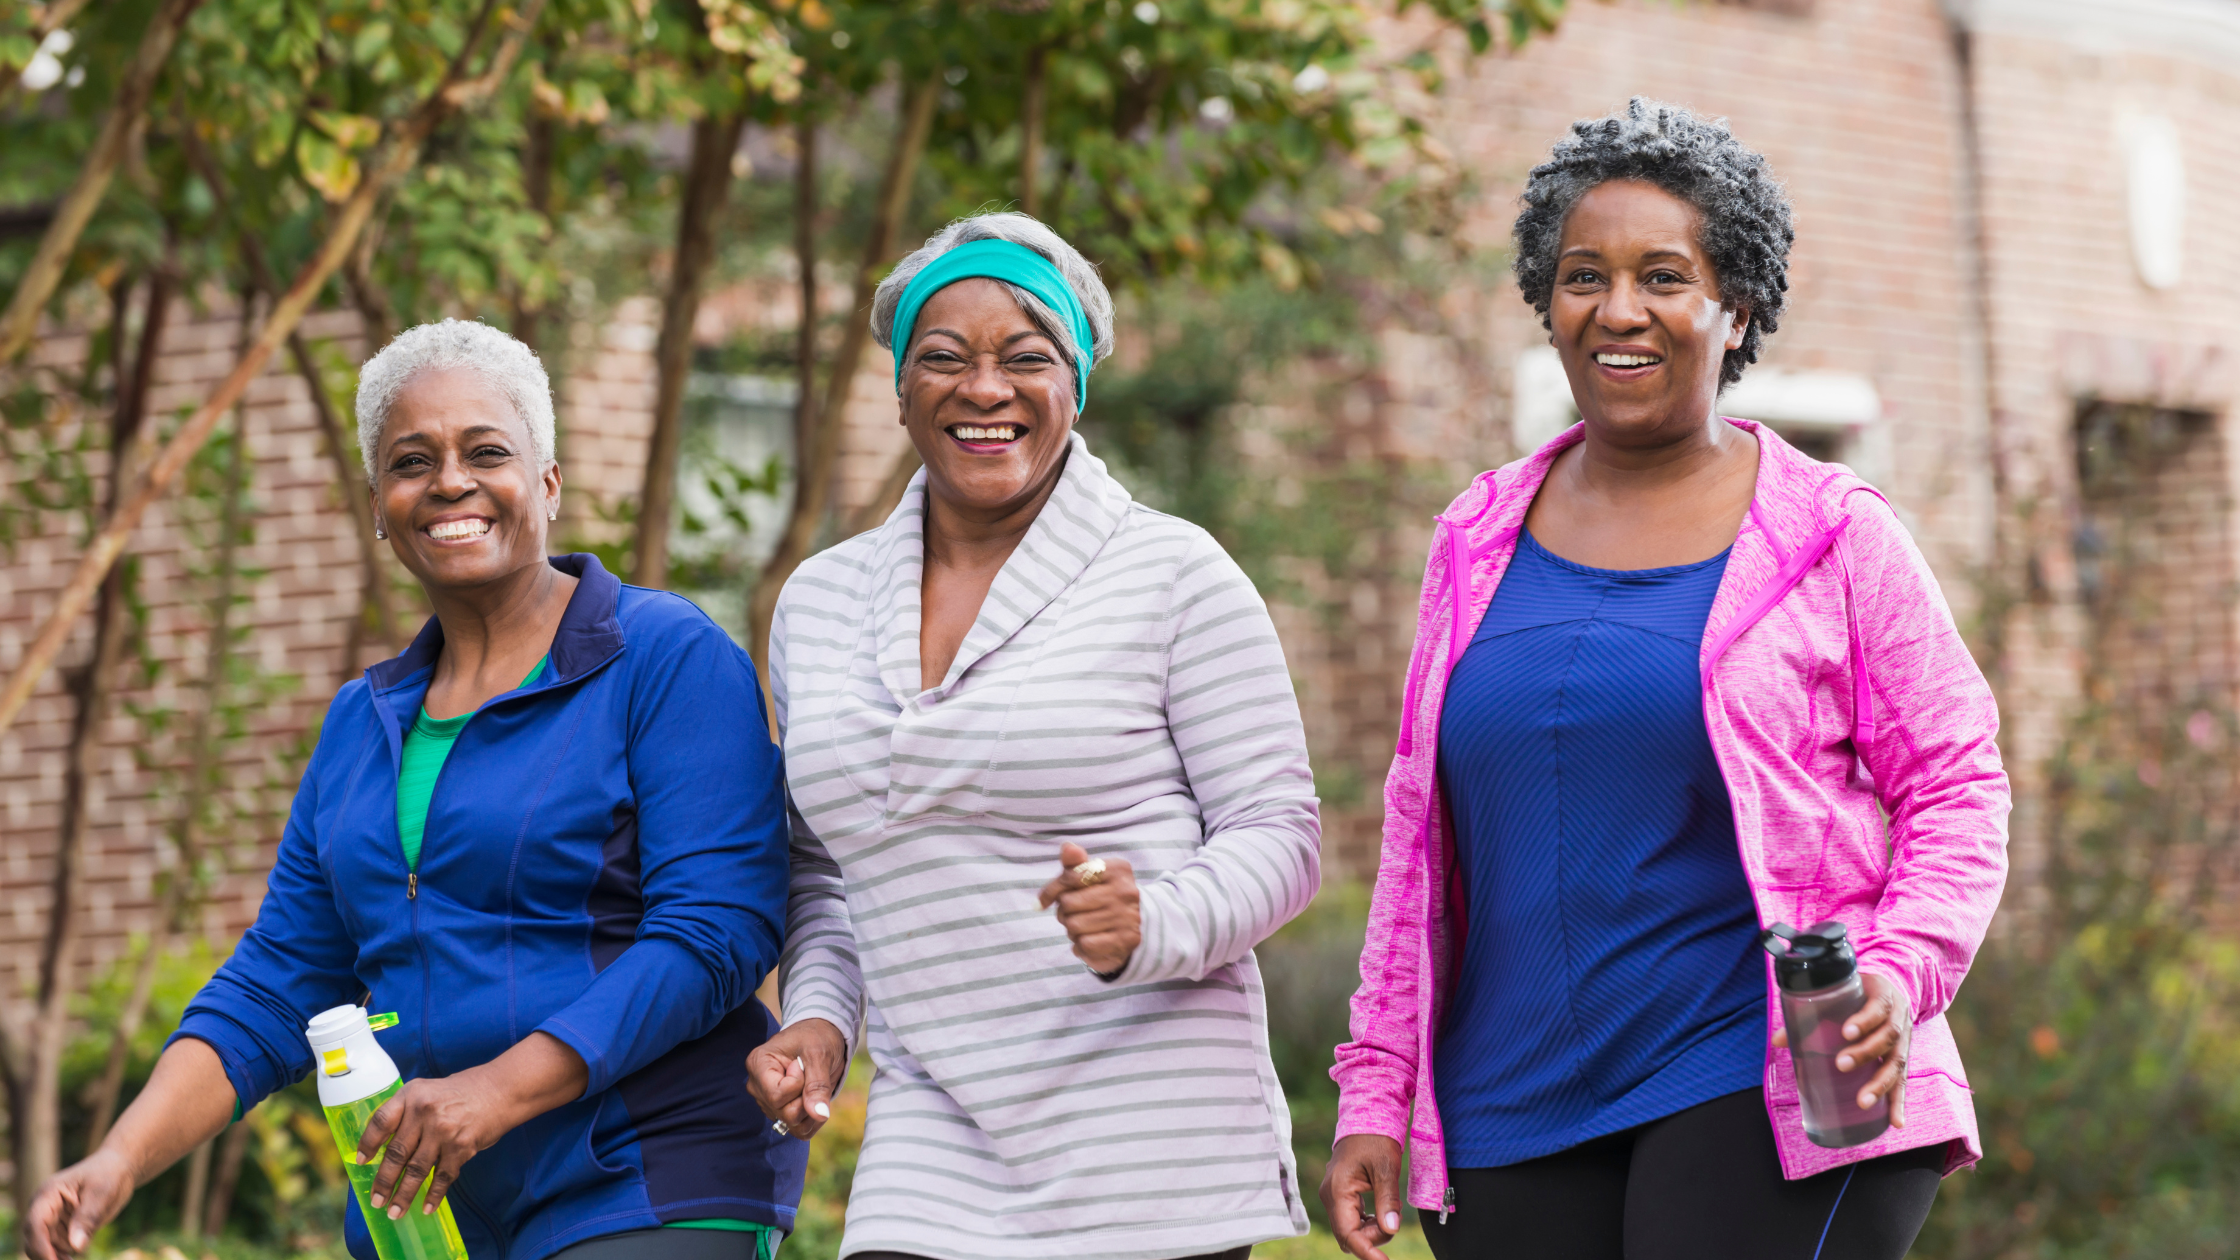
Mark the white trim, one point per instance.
(2202, 31)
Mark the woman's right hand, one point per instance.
(794, 1075)
(74, 1203)
(1363, 1162)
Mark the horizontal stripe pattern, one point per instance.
(1122, 688)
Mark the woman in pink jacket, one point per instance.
(1673, 682)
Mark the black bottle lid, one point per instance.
(1816, 958)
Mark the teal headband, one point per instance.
(1015, 264)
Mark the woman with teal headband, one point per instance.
(1025, 693)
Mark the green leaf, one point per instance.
(372, 42)
(326, 166)
(351, 131)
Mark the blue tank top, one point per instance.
(1609, 976)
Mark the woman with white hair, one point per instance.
(550, 836)
(1027, 690)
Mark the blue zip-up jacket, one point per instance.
(605, 861)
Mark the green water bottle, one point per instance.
(356, 1076)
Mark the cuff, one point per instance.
(599, 1073)
(1894, 963)
(805, 1007)
(247, 1071)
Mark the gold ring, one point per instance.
(1089, 872)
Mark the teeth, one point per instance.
(459, 529)
(986, 433)
(1626, 360)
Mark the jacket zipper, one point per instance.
(1446, 1205)
(411, 885)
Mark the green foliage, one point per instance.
(288, 1200)
(2104, 1045)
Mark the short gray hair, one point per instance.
(1745, 213)
(1080, 274)
(509, 366)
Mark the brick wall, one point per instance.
(302, 590)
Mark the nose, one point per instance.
(986, 386)
(1622, 311)
(454, 480)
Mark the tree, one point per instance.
(1173, 128)
(395, 148)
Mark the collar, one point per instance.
(590, 631)
(1084, 510)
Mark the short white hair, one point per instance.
(509, 366)
(1080, 275)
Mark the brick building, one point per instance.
(2004, 280)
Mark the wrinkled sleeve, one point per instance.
(297, 960)
(711, 854)
(1936, 766)
(819, 976)
(1376, 1070)
(1235, 723)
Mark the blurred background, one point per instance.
(2011, 311)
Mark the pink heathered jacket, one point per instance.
(1834, 682)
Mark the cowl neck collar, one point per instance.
(1080, 516)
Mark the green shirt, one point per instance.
(426, 746)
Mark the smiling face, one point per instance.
(1636, 316)
(987, 398)
(458, 487)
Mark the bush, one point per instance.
(2102, 1030)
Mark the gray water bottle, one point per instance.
(1819, 981)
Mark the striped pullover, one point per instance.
(1122, 688)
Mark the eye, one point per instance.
(490, 454)
(1031, 359)
(1583, 275)
(1665, 275)
(408, 462)
(940, 357)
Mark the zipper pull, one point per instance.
(412, 885)
(1446, 1205)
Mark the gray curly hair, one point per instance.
(508, 365)
(1019, 229)
(1745, 211)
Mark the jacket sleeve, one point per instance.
(711, 857)
(1935, 762)
(1376, 1071)
(1235, 724)
(819, 976)
(295, 961)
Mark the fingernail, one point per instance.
(377, 1199)
(1392, 1222)
(1851, 1030)
(823, 1112)
(396, 1213)
(1843, 1063)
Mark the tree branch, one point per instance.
(812, 491)
(127, 117)
(400, 154)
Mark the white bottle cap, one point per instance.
(347, 1061)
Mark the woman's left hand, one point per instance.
(1881, 1029)
(434, 1125)
(1104, 919)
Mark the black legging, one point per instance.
(1704, 1184)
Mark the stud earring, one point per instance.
(378, 531)
(553, 515)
